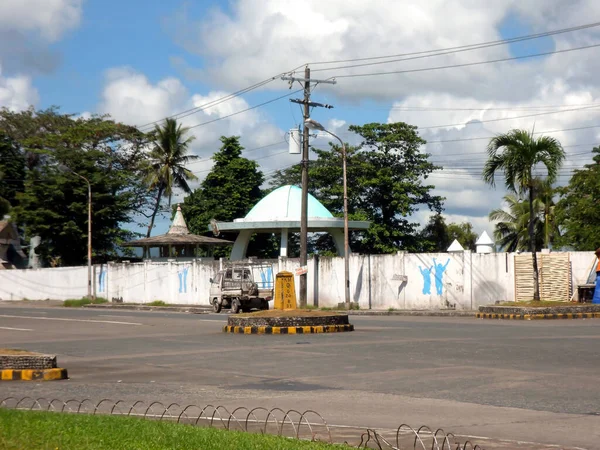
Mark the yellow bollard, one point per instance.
(285, 292)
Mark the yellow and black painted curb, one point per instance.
(538, 316)
(288, 330)
(33, 374)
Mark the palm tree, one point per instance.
(517, 153)
(166, 165)
(511, 229)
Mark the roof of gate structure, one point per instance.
(178, 234)
(281, 209)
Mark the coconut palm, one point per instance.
(517, 153)
(166, 166)
(511, 229)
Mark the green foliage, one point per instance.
(578, 210)
(12, 172)
(228, 192)
(516, 154)
(511, 230)
(157, 303)
(54, 201)
(84, 301)
(437, 236)
(464, 234)
(385, 176)
(51, 430)
(165, 168)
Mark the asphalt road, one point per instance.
(523, 381)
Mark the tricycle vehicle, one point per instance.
(242, 287)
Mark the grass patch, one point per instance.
(14, 351)
(539, 304)
(48, 430)
(83, 301)
(157, 303)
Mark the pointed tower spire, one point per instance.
(178, 225)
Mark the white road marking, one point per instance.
(15, 329)
(71, 320)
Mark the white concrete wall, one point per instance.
(61, 283)
(400, 281)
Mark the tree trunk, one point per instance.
(532, 249)
(156, 206)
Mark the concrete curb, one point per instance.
(33, 374)
(197, 309)
(538, 316)
(420, 313)
(186, 309)
(288, 330)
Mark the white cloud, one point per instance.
(50, 18)
(128, 96)
(17, 93)
(256, 39)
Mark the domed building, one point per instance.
(279, 212)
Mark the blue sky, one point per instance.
(143, 60)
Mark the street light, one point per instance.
(314, 125)
(89, 245)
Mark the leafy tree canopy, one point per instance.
(578, 210)
(228, 192)
(385, 177)
(437, 235)
(54, 201)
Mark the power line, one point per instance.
(477, 63)
(505, 118)
(245, 110)
(462, 47)
(212, 103)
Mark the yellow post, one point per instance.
(285, 292)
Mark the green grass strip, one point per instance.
(52, 431)
(83, 301)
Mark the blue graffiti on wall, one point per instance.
(438, 277)
(426, 272)
(182, 274)
(102, 281)
(266, 275)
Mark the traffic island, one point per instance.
(288, 322)
(566, 311)
(21, 365)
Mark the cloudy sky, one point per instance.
(141, 61)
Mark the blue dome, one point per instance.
(284, 203)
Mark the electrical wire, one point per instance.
(467, 46)
(244, 110)
(476, 63)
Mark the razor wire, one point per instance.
(307, 425)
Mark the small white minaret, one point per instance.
(484, 244)
(455, 247)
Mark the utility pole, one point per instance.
(305, 158)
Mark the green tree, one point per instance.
(435, 235)
(12, 172)
(516, 154)
(511, 231)
(578, 210)
(166, 168)
(53, 204)
(385, 185)
(228, 192)
(464, 234)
